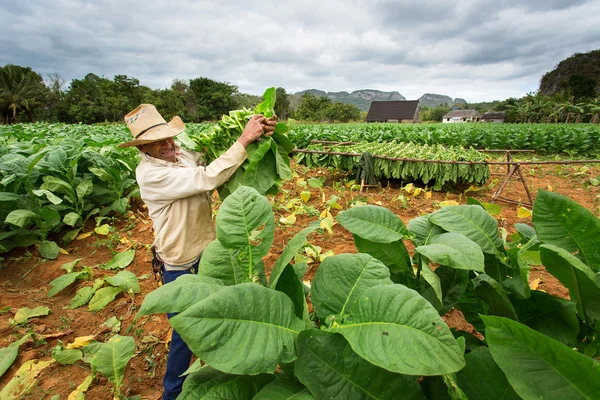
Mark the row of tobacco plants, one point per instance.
(374, 328)
(55, 177)
(573, 140)
(457, 165)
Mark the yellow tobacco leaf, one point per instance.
(409, 188)
(325, 213)
(327, 224)
(24, 379)
(535, 283)
(549, 187)
(84, 235)
(124, 240)
(417, 192)
(289, 220)
(428, 194)
(305, 196)
(63, 251)
(80, 342)
(448, 203)
(78, 394)
(522, 212)
(102, 229)
(328, 253)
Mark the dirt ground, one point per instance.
(25, 277)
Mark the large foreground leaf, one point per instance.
(244, 213)
(242, 329)
(342, 278)
(176, 296)
(394, 255)
(482, 379)
(9, 354)
(473, 222)
(24, 379)
(582, 282)
(562, 222)
(538, 367)
(373, 223)
(210, 384)
(329, 367)
(285, 387)
(395, 328)
(220, 263)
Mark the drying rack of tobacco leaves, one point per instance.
(411, 162)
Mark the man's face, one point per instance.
(164, 149)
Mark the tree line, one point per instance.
(26, 96)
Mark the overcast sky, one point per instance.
(478, 50)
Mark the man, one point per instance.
(176, 188)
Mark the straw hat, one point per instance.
(148, 126)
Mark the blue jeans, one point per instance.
(179, 353)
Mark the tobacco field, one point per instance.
(425, 287)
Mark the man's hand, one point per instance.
(256, 127)
(269, 125)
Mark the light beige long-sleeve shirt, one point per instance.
(178, 199)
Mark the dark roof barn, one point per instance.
(396, 111)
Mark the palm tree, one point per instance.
(593, 110)
(21, 90)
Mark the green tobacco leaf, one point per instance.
(292, 286)
(395, 328)
(177, 296)
(8, 196)
(423, 230)
(126, 280)
(217, 327)
(71, 218)
(102, 297)
(209, 383)
(291, 249)
(552, 316)
(454, 250)
(84, 188)
(120, 261)
(284, 387)
(473, 222)
(538, 367)
(9, 354)
(582, 282)
(394, 255)
(433, 280)
(373, 223)
(341, 279)
(562, 222)
(20, 217)
(63, 281)
(82, 297)
(329, 367)
(49, 249)
(262, 167)
(112, 358)
(480, 363)
(494, 295)
(52, 198)
(528, 232)
(25, 313)
(240, 216)
(222, 264)
(66, 356)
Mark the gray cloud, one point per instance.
(478, 50)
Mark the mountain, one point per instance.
(360, 98)
(363, 98)
(578, 75)
(432, 100)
